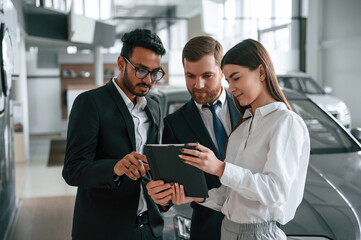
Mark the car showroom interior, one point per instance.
(53, 51)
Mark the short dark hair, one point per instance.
(141, 38)
(200, 46)
(251, 54)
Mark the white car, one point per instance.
(303, 83)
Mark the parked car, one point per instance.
(331, 206)
(305, 84)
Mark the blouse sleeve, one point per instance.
(288, 146)
(216, 199)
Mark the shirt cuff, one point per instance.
(227, 174)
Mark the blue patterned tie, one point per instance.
(219, 131)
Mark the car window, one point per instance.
(291, 83)
(325, 134)
(310, 86)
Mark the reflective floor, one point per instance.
(45, 201)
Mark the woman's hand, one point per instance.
(179, 197)
(204, 159)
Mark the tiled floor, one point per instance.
(35, 179)
(38, 184)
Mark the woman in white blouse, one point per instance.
(264, 170)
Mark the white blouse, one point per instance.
(266, 164)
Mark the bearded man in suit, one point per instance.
(108, 128)
(194, 122)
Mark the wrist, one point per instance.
(220, 170)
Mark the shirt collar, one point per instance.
(141, 101)
(221, 98)
(266, 109)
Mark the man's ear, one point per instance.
(262, 73)
(121, 63)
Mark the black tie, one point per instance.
(219, 131)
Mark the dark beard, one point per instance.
(131, 88)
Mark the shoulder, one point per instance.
(152, 104)
(290, 120)
(177, 114)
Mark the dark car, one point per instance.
(331, 206)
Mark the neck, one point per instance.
(261, 101)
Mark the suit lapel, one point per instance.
(123, 111)
(153, 115)
(195, 122)
(233, 111)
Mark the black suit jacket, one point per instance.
(100, 133)
(185, 126)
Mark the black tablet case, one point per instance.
(166, 165)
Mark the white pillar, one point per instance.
(22, 93)
(295, 36)
(314, 64)
(98, 66)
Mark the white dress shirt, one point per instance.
(141, 127)
(266, 164)
(222, 112)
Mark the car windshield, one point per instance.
(326, 135)
(310, 86)
(300, 84)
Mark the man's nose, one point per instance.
(147, 79)
(200, 83)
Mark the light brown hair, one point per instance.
(200, 46)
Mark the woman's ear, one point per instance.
(262, 73)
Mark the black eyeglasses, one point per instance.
(142, 73)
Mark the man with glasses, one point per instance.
(107, 130)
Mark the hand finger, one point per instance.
(182, 193)
(177, 193)
(162, 187)
(159, 189)
(133, 169)
(192, 152)
(139, 156)
(129, 174)
(161, 195)
(189, 158)
(136, 165)
(198, 146)
(134, 160)
(163, 200)
(154, 183)
(146, 166)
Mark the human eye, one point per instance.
(208, 75)
(141, 72)
(188, 75)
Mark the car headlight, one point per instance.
(306, 238)
(182, 226)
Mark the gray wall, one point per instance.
(334, 49)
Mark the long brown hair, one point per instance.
(250, 53)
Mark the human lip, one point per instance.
(144, 86)
(200, 91)
(238, 95)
